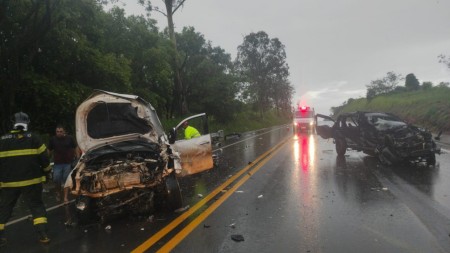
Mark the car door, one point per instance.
(324, 126)
(196, 153)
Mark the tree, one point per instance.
(427, 85)
(384, 85)
(411, 82)
(23, 25)
(207, 76)
(179, 90)
(444, 59)
(261, 61)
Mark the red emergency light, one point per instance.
(303, 108)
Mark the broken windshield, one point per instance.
(384, 122)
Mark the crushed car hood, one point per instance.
(106, 117)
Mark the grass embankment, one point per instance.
(426, 108)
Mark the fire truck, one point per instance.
(303, 120)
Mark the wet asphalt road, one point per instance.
(298, 198)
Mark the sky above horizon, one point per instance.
(334, 48)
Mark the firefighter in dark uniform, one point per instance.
(24, 165)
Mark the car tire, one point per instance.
(173, 198)
(431, 160)
(341, 147)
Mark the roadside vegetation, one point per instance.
(53, 54)
(423, 104)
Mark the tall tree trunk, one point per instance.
(179, 92)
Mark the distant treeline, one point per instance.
(53, 53)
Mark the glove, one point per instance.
(49, 176)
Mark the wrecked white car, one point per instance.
(128, 162)
(380, 134)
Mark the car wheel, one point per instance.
(341, 146)
(431, 160)
(173, 197)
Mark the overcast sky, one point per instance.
(334, 47)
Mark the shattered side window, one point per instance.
(113, 119)
(384, 122)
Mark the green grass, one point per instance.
(427, 108)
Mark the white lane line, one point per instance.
(28, 216)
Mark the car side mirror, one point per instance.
(172, 135)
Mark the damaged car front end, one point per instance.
(380, 134)
(128, 163)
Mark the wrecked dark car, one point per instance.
(379, 134)
(128, 162)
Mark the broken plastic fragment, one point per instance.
(108, 227)
(182, 209)
(237, 238)
(260, 196)
(200, 195)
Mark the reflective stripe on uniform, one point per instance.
(23, 183)
(39, 220)
(23, 152)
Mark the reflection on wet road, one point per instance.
(280, 193)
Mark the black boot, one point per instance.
(3, 240)
(42, 233)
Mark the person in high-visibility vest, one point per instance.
(190, 132)
(24, 165)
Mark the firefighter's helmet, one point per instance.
(21, 121)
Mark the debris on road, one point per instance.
(232, 225)
(260, 196)
(206, 226)
(239, 191)
(237, 238)
(182, 209)
(200, 195)
(108, 227)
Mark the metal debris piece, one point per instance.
(182, 209)
(237, 238)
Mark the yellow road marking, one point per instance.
(167, 229)
(189, 228)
